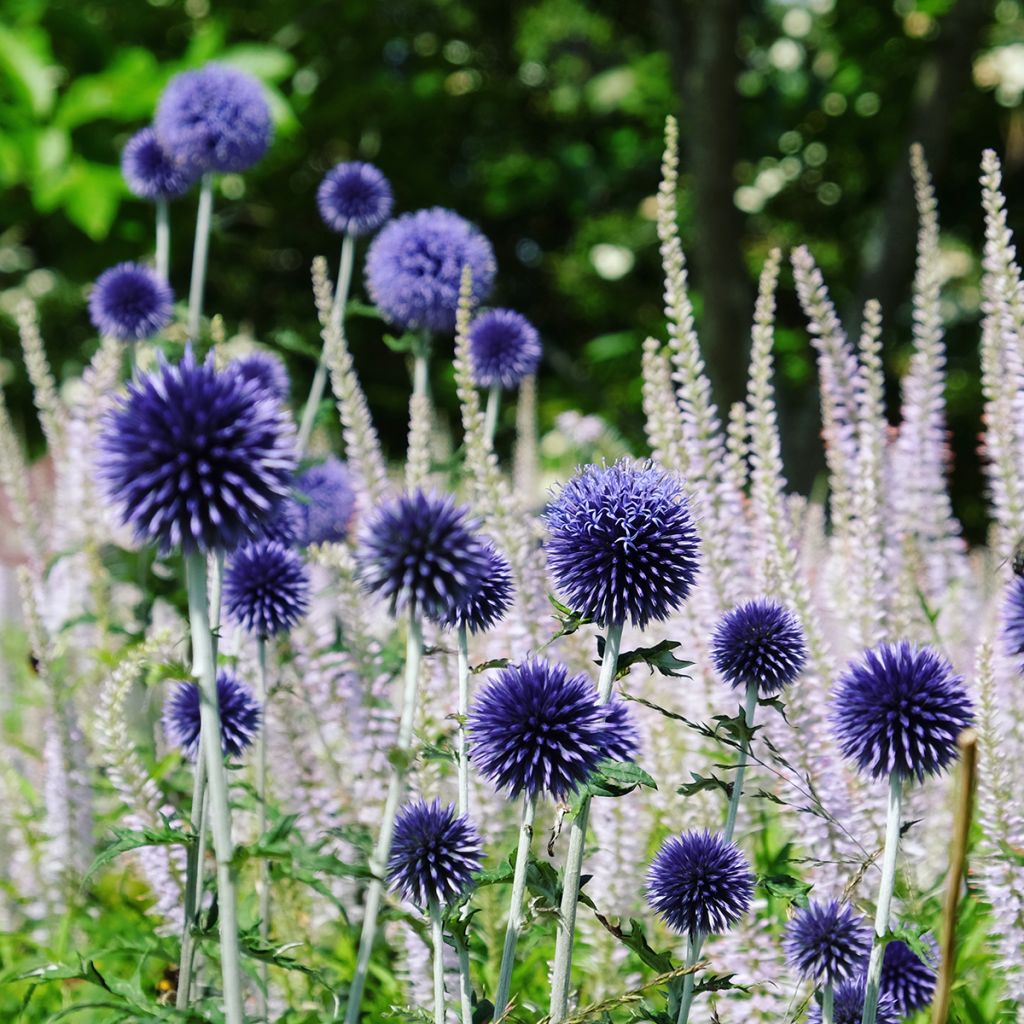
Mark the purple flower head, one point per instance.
(214, 119)
(827, 942)
(196, 457)
(414, 268)
(504, 348)
(130, 302)
(906, 978)
(759, 642)
(1013, 618)
(623, 735)
(434, 854)
(240, 716)
(149, 172)
(481, 609)
(354, 198)
(848, 1005)
(535, 729)
(699, 883)
(900, 709)
(622, 544)
(326, 503)
(266, 370)
(422, 552)
(266, 588)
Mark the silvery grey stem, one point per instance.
(163, 240)
(749, 712)
(261, 793)
(693, 943)
(465, 985)
(200, 251)
(560, 978)
(827, 1003)
(463, 742)
(437, 940)
(491, 413)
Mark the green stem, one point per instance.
(421, 365)
(749, 712)
(261, 792)
(693, 945)
(827, 1003)
(437, 937)
(491, 414)
(200, 252)
(463, 742)
(465, 984)
(163, 240)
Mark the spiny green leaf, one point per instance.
(659, 658)
(786, 887)
(702, 782)
(126, 840)
(635, 939)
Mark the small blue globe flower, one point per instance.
(266, 588)
(900, 709)
(240, 716)
(622, 544)
(420, 551)
(1013, 618)
(149, 172)
(535, 729)
(487, 605)
(130, 302)
(699, 883)
(266, 370)
(827, 942)
(504, 348)
(906, 978)
(848, 1006)
(414, 268)
(623, 735)
(214, 119)
(759, 642)
(354, 198)
(196, 458)
(326, 503)
(434, 854)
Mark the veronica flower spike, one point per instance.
(897, 713)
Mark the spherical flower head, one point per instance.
(906, 978)
(504, 348)
(214, 119)
(535, 729)
(827, 942)
(414, 268)
(434, 854)
(486, 606)
(240, 716)
(759, 642)
(700, 883)
(421, 551)
(266, 588)
(623, 736)
(900, 709)
(266, 370)
(848, 1005)
(130, 302)
(1013, 618)
(195, 457)
(354, 198)
(622, 545)
(150, 172)
(326, 503)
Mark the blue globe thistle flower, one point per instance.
(266, 370)
(414, 268)
(623, 736)
(700, 883)
(149, 172)
(1013, 618)
(214, 119)
(326, 503)
(196, 457)
(622, 545)
(848, 1006)
(504, 348)
(900, 709)
(759, 642)
(240, 716)
(827, 942)
(354, 198)
(130, 302)
(481, 609)
(906, 978)
(536, 729)
(434, 854)
(420, 551)
(266, 588)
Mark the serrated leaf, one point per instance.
(127, 840)
(659, 658)
(486, 666)
(612, 779)
(635, 939)
(786, 887)
(702, 782)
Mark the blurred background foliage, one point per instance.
(543, 123)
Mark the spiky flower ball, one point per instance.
(266, 370)
(240, 716)
(906, 978)
(266, 588)
(195, 457)
(421, 551)
(354, 198)
(325, 504)
(504, 348)
(759, 642)
(214, 119)
(414, 268)
(700, 883)
(130, 302)
(900, 709)
(827, 942)
(487, 605)
(434, 854)
(622, 545)
(848, 1006)
(623, 735)
(150, 172)
(1013, 618)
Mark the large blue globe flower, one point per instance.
(326, 503)
(130, 302)
(906, 978)
(848, 1006)
(759, 642)
(240, 716)
(1013, 618)
(827, 942)
(266, 588)
(150, 172)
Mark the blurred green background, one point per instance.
(543, 123)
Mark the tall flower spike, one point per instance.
(240, 716)
(130, 302)
(150, 172)
(622, 544)
(326, 503)
(759, 642)
(266, 588)
(848, 1005)
(354, 198)
(504, 347)
(486, 605)
(827, 942)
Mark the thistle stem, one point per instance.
(693, 945)
(491, 414)
(465, 984)
(437, 937)
(463, 741)
(396, 786)
(200, 251)
(749, 713)
(574, 856)
(827, 1003)
(163, 240)
(515, 909)
(261, 792)
(885, 889)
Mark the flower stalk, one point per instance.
(200, 252)
(491, 413)
(437, 941)
(163, 239)
(261, 793)
(749, 713)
